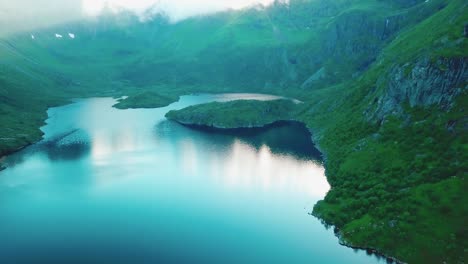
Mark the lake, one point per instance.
(128, 186)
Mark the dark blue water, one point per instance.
(128, 186)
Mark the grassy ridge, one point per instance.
(236, 114)
(398, 190)
(397, 184)
(397, 180)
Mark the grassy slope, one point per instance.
(236, 114)
(117, 56)
(146, 99)
(25, 94)
(379, 173)
(399, 188)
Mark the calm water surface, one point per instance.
(128, 186)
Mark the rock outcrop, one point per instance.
(424, 83)
(235, 114)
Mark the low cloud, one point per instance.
(175, 9)
(24, 15)
(27, 15)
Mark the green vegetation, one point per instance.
(23, 109)
(236, 114)
(399, 179)
(383, 84)
(145, 99)
(400, 189)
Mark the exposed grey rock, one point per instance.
(424, 83)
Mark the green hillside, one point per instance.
(397, 150)
(384, 86)
(236, 114)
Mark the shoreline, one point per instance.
(4, 166)
(315, 140)
(342, 241)
(214, 127)
(371, 251)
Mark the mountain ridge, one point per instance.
(383, 82)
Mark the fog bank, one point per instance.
(27, 15)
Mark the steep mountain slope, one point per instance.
(304, 44)
(397, 148)
(383, 81)
(26, 90)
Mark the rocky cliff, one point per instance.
(423, 83)
(383, 84)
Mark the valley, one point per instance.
(382, 84)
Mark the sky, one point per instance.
(176, 9)
(23, 15)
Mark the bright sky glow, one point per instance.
(176, 9)
(28, 15)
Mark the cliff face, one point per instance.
(395, 160)
(423, 83)
(383, 84)
(354, 38)
(278, 48)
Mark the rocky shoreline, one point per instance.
(342, 240)
(315, 140)
(2, 166)
(371, 251)
(224, 128)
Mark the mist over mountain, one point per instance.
(383, 86)
(176, 10)
(26, 15)
(23, 15)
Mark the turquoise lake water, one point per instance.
(128, 186)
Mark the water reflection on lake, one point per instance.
(128, 186)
